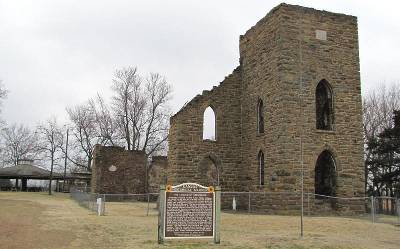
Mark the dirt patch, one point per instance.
(21, 226)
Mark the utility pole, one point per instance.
(301, 136)
(52, 151)
(65, 161)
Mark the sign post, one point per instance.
(161, 215)
(189, 210)
(217, 214)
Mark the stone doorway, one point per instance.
(209, 172)
(325, 175)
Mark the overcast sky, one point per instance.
(55, 54)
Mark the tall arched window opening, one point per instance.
(209, 124)
(261, 167)
(325, 174)
(324, 106)
(260, 116)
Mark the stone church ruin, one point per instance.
(295, 97)
(295, 94)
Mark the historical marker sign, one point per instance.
(189, 211)
(189, 214)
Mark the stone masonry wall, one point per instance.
(259, 57)
(188, 150)
(281, 62)
(118, 171)
(271, 70)
(157, 173)
(336, 60)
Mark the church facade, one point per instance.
(291, 107)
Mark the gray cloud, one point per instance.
(59, 53)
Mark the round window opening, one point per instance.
(112, 168)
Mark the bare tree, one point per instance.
(3, 91)
(106, 127)
(3, 95)
(88, 120)
(51, 143)
(157, 113)
(91, 123)
(84, 131)
(378, 108)
(128, 104)
(18, 142)
(141, 109)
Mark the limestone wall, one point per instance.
(282, 59)
(118, 171)
(157, 173)
(303, 56)
(259, 56)
(272, 69)
(188, 150)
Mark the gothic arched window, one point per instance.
(209, 124)
(261, 167)
(324, 106)
(260, 116)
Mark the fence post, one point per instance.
(104, 204)
(100, 204)
(148, 203)
(88, 200)
(249, 209)
(372, 209)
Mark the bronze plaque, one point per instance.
(189, 214)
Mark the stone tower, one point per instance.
(295, 97)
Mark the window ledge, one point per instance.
(209, 140)
(325, 131)
(260, 134)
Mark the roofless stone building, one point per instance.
(296, 89)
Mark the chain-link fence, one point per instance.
(113, 202)
(86, 199)
(375, 209)
(142, 203)
(262, 202)
(386, 210)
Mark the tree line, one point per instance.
(136, 117)
(381, 125)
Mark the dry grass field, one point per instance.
(36, 220)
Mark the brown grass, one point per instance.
(36, 220)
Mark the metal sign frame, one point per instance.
(188, 188)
